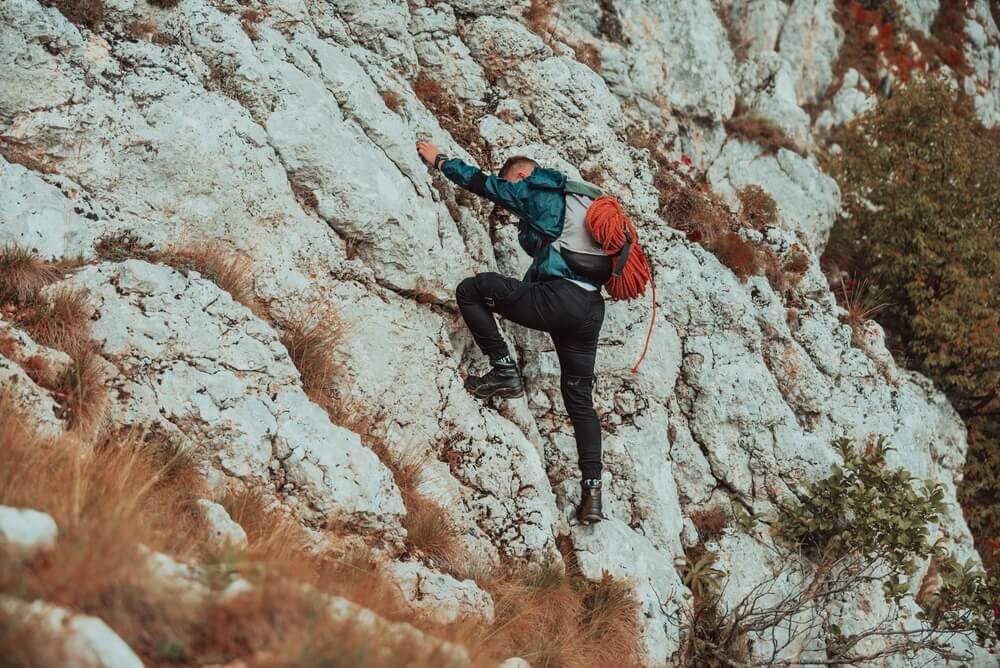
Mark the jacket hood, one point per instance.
(549, 179)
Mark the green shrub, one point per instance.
(868, 512)
(920, 217)
(966, 600)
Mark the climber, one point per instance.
(560, 294)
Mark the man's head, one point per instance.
(517, 168)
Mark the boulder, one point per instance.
(25, 532)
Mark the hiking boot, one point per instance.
(503, 380)
(589, 510)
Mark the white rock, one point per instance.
(206, 138)
(807, 198)
(853, 98)
(438, 596)
(183, 583)
(30, 400)
(515, 662)
(767, 87)
(920, 14)
(810, 41)
(25, 532)
(678, 51)
(222, 530)
(74, 640)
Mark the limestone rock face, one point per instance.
(204, 369)
(292, 144)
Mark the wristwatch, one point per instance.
(438, 160)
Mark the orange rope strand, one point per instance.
(649, 332)
(608, 224)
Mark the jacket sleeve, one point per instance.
(528, 238)
(511, 196)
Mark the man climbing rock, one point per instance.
(560, 294)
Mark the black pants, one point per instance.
(571, 315)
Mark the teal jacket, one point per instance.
(538, 201)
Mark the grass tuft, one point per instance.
(758, 129)
(757, 208)
(230, 271)
(710, 522)
(23, 274)
(23, 153)
(80, 388)
(312, 341)
(392, 100)
(737, 254)
(86, 13)
(62, 320)
(861, 300)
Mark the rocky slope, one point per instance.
(287, 135)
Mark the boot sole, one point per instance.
(503, 392)
(590, 519)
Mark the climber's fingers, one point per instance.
(427, 151)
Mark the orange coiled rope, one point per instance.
(611, 228)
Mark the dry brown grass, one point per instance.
(106, 500)
(163, 4)
(124, 245)
(589, 55)
(304, 195)
(80, 388)
(392, 100)
(111, 497)
(753, 127)
(462, 126)
(556, 617)
(738, 254)
(230, 271)
(710, 522)
(87, 13)
(430, 532)
(25, 154)
(62, 320)
(538, 18)
(143, 29)
(758, 209)
(278, 547)
(312, 341)
(249, 20)
(861, 300)
(23, 274)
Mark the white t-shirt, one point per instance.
(575, 236)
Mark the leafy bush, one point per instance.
(862, 525)
(967, 600)
(920, 191)
(868, 510)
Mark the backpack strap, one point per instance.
(582, 188)
(623, 254)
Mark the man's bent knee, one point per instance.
(466, 289)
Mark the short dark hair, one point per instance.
(513, 163)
